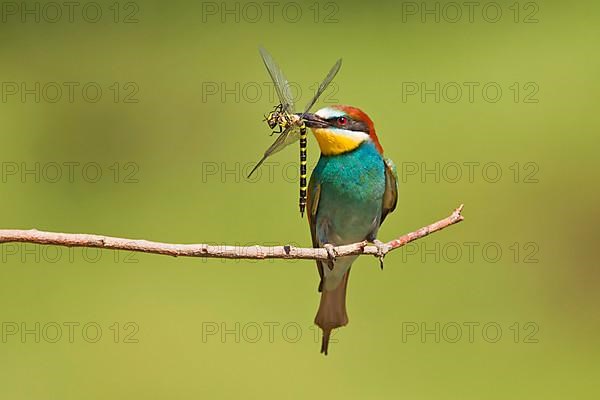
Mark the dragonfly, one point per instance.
(289, 124)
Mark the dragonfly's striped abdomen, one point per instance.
(303, 185)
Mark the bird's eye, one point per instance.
(342, 120)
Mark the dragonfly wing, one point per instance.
(285, 138)
(332, 73)
(282, 86)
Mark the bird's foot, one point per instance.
(382, 250)
(330, 254)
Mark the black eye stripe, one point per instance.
(350, 124)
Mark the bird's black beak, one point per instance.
(313, 121)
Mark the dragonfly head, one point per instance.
(340, 129)
(271, 120)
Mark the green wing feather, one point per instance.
(390, 196)
(313, 195)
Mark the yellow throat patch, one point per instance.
(332, 143)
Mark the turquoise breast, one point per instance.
(352, 188)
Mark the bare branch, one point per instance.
(204, 250)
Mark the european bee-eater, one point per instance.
(351, 191)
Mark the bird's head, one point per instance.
(340, 129)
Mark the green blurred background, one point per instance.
(172, 153)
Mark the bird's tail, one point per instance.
(332, 310)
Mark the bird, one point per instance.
(351, 191)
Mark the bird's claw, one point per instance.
(330, 254)
(382, 250)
